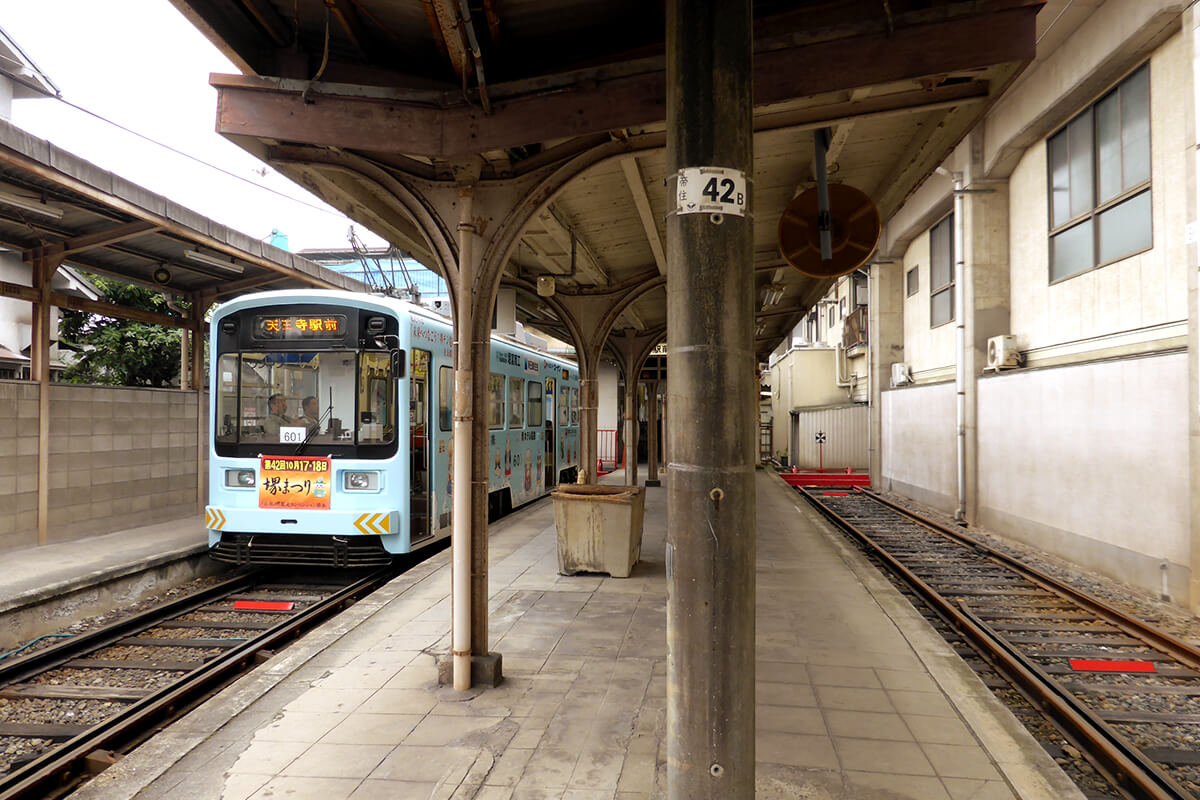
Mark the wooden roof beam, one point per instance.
(637, 187)
(438, 125)
(109, 236)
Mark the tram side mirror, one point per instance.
(398, 363)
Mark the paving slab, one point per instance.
(857, 697)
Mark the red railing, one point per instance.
(607, 457)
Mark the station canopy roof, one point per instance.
(100, 222)
(411, 88)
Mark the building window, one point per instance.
(1100, 181)
(832, 311)
(941, 272)
(912, 281)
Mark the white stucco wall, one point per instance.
(919, 443)
(1091, 461)
(1143, 290)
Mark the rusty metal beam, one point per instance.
(438, 125)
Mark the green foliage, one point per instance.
(119, 352)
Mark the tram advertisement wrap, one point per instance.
(294, 482)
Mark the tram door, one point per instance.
(418, 444)
(551, 467)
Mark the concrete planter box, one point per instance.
(599, 528)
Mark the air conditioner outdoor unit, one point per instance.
(1002, 352)
(901, 374)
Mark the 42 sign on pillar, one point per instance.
(711, 190)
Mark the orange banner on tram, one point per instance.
(300, 482)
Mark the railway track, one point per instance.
(1125, 694)
(67, 710)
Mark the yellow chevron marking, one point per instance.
(385, 523)
(358, 524)
(221, 517)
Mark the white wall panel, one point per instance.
(1096, 451)
(919, 443)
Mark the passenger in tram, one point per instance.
(277, 416)
(310, 417)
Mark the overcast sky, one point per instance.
(141, 64)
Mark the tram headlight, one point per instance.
(361, 481)
(239, 478)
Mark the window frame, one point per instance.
(496, 379)
(445, 398)
(1098, 208)
(936, 292)
(912, 281)
(535, 396)
(516, 413)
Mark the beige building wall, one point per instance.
(929, 352)
(1071, 450)
(802, 378)
(1144, 293)
(119, 458)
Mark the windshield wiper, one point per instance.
(313, 430)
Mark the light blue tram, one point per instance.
(312, 460)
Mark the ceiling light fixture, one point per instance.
(31, 204)
(773, 293)
(213, 261)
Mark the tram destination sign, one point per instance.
(300, 326)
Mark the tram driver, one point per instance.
(277, 415)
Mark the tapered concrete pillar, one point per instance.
(652, 434)
(710, 335)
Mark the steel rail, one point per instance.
(48, 658)
(1158, 639)
(1124, 765)
(58, 770)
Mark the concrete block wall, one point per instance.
(119, 458)
(18, 464)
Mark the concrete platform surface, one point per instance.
(34, 574)
(858, 699)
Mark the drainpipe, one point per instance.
(960, 344)
(846, 382)
(463, 395)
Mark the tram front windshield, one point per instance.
(291, 398)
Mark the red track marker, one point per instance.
(261, 605)
(1085, 665)
(836, 494)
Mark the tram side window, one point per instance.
(376, 399)
(495, 402)
(445, 395)
(574, 406)
(564, 407)
(227, 400)
(535, 404)
(516, 403)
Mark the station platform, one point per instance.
(857, 697)
(34, 574)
